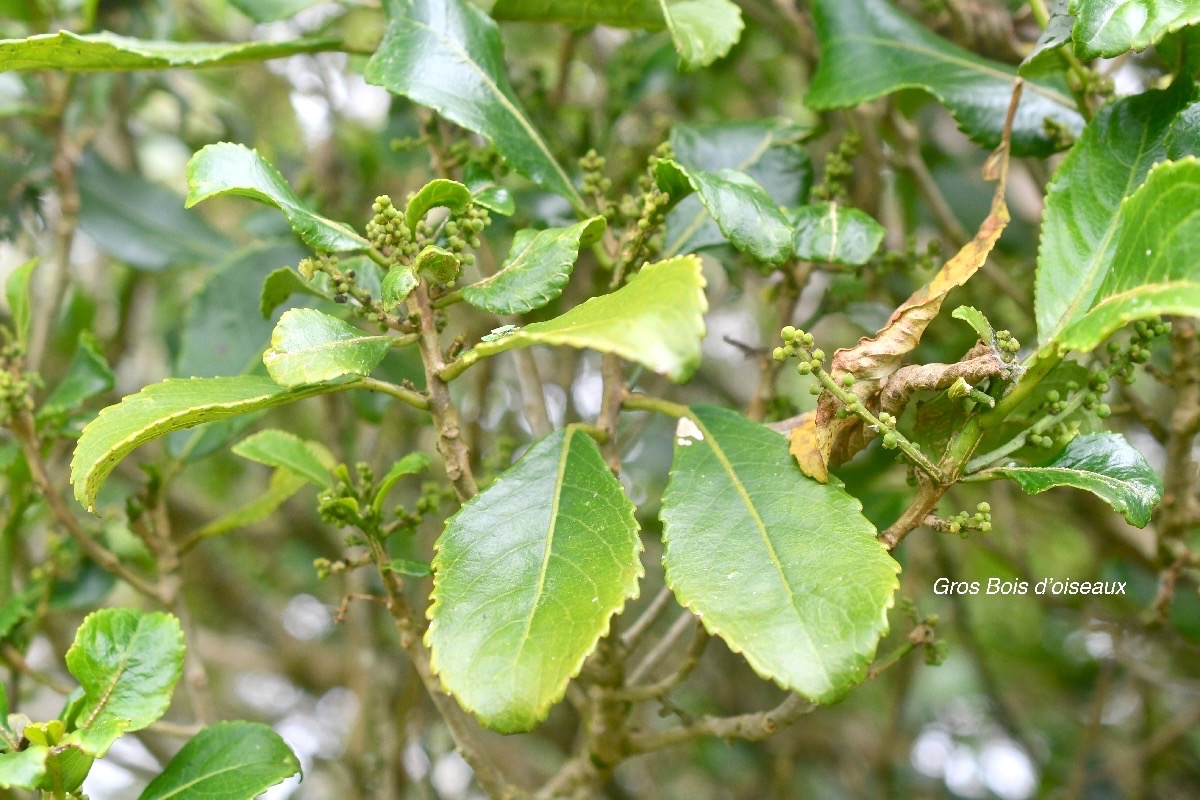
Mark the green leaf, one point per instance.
(411, 464)
(486, 192)
(88, 375)
(1104, 464)
(1111, 27)
(284, 484)
(280, 285)
(127, 663)
(309, 346)
(656, 320)
(225, 761)
(766, 150)
(17, 294)
(95, 741)
(272, 10)
(833, 233)
(447, 55)
(643, 14)
(703, 30)
(108, 51)
(142, 223)
(742, 209)
(786, 570)
(975, 318)
(435, 263)
(537, 269)
(398, 283)
(438, 193)
(869, 48)
(223, 331)
(1084, 209)
(163, 407)
(528, 575)
(1155, 269)
(226, 168)
(23, 769)
(1046, 56)
(284, 450)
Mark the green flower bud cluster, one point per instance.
(387, 230)
(799, 344)
(595, 185)
(462, 232)
(891, 439)
(838, 170)
(1058, 133)
(963, 522)
(16, 385)
(1008, 346)
(936, 652)
(1125, 359)
(346, 503)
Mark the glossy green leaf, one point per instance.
(831, 232)
(869, 48)
(17, 295)
(1104, 464)
(142, 223)
(447, 55)
(657, 320)
(157, 410)
(108, 51)
(1110, 27)
(88, 375)
(1155, 268)
(766, 150)
(435, 263)
(703, 30)
(309, 346)
(276, 448)
(284, 484)
(272, 10)
(742, 209)
(537, 269)
(127, 663)
(397, 285)
(23, 769)
(1084, 202)
(528, 575)
(280, 285)
(786, 570)
(225, 761)
(438, 193)
(644, 14)
(227, 168)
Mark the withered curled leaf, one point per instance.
(820, 440)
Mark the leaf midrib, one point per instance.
(959, 61)
(540, 588)
(740, 487)
(1136, 488)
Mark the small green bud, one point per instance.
(818, 355)
(847, 380)
(788, 333)
(984, 508)
(778, 354)
(1104, 411)
(804, 368)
